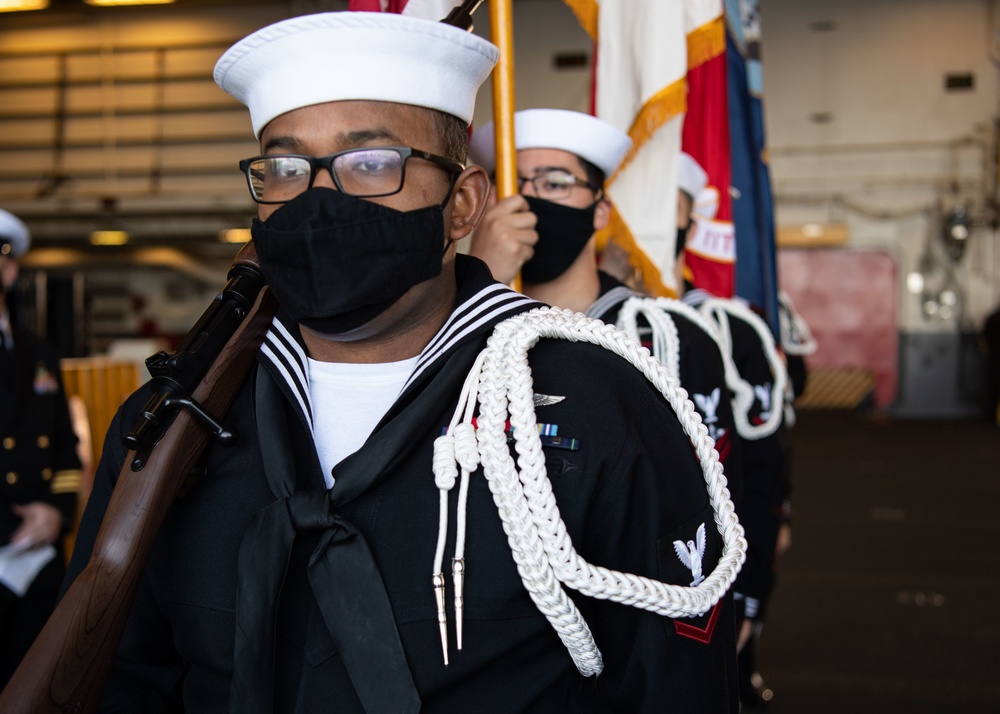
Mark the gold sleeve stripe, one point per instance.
(706, 42)
(66, 481)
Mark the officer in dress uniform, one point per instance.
(39, 467)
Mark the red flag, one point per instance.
(426, 9)
(395, 6)
(710, 252)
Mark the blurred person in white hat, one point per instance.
(563, 158)
(546, 231)
(303, 571)
(691, 180)
(39, 466)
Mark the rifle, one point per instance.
(461, 15)
(67, 666)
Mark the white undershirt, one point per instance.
(348, 401)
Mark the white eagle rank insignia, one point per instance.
(763, 394)
(708, 406)
(692, 553)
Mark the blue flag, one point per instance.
(753, 206)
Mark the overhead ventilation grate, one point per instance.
(959, 82)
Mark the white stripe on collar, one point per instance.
(283, 362)
(611, 298)
(285, 338)
(695, 297)
(485, 306)
(282, 350)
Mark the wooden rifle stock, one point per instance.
(68, 665)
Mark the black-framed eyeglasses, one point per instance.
(554, 184)
(365, 172)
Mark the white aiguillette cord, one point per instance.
(501, 383)
(717, 311)
(457, 446)
(665, 339)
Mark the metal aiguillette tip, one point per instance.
(458, 575)
(438, 580)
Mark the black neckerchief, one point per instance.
(342, 572)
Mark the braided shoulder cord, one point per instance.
(541, 547)
(718, 310)
(666, 341)
(691, 313)
(652, 309)
(796, 337)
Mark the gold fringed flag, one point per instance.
(640, 87)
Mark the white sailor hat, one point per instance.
(14, 236)
(335, 56)
(691, 177)
(588, 137)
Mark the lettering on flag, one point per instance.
(709, 255)
(713, 239)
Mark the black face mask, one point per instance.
(335, 262)
(682, 235)
(563, 231)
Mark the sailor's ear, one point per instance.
(602, 214)
(468, 202)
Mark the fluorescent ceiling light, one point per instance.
(235, 235)
(18, 5)
(111, 3)
(108, 238)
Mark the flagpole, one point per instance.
(501, 29)
(502, 35)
